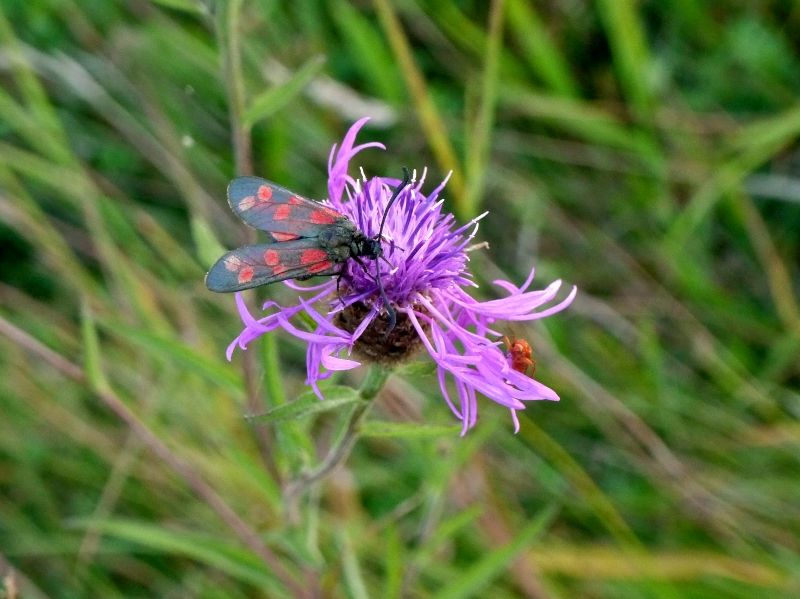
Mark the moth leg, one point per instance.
(339, 276)
(390, 311)
(360, 262)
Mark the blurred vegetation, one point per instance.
(645, 151)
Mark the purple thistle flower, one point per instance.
(425, 276)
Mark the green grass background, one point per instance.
(645, 151)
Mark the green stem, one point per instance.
(229, 43)
(373, 382)
(338, 454)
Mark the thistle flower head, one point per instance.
(425, 273)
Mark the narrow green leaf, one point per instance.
(477, 158)
(308, 404)
(354, 580)
(209, 249)
(275, 98)
(168, 250)
(470, 583)
(293, 442)
(625, 33)
(35, 97)
(431, 119)
(395, 562)
(369, 51)
(768, 134)
(206, 549)
(26, 125)
(446, 530)
(408, 430)
(540, 52)
(91, 351)
(177, 352)
(574, 472)
(192, 6)
(416, 369)
(584, 120)
(758, 143)
(64, 182)
(30, 220)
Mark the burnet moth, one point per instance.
(520, 354)
(309, 239)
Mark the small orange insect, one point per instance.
(521, 354)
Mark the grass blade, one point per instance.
(203, 548)
(427, 112)
(494, 563)
(274, 99)
(541, 53)
(91, 351)
(478, 150)
(626, 37)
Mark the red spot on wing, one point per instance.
(324, 216)
(264, 193)
(295, 201)
(313, 255)
(271, 257)
(320, 266)
(284, 236)
(282, 212)
(246, 274)
(233, 263)
(246, 203)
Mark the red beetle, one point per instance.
(520, 354)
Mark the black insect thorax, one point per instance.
(368, 247)
(343, 241)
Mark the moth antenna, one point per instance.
(406, 180)
(390, 311)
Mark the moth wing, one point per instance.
(255, 265)
(276, 210)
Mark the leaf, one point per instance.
(308, 404)
(176, 351)
(407, 430)
(585, 120)
(368, 51)
(418, 368)
(206, 549)
(624, 27)
(539, 50)
(472, 580)
(396, 563)
(445, 533)
(192, 6)
(353, 578)
(209, 249)
(275, 98)
(91, 351)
